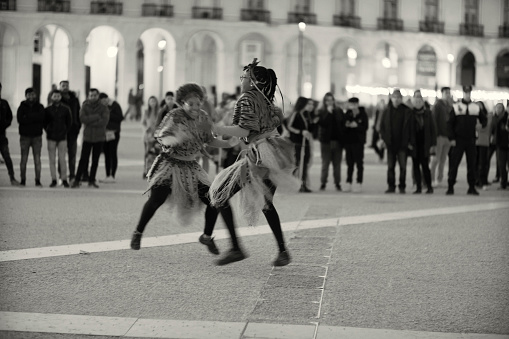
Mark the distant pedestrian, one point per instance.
(330, 135)
(482, 144)
(166, 106)
(94, 116)
(299, 125)
(500, 133)
(396, 130)
(5, 122)
(376, 141)
(176, 176)
(498, 112)
(149, 122)
(355, 127)
(70, 99)
(462, 134)
(440, 112)
(425, 141)
(112, 137)
(31, 122)
(57, 122)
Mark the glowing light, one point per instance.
(302, 26)
(160, 68)
(112, 51)
(307, 89)
(450, 58)
(352, 53)
(161, 44)
(386, 63)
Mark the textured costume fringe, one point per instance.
(271, 158)
(182, 177)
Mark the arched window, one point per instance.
(467, 70)
(426, 67)
(502, 71)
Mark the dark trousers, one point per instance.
(110, 155)
(374, 144)
(331, 152)
(493, 150)
(307, 155)
(483, 166)
(354, 157)
(401, 157)
(25, 143)
(72, 149)
(418, 162)
(503, 163)
(467, 147)
(4, 149)
(86, 148)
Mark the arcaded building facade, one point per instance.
(348, 47)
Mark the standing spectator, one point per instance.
(330, 120)
(31, 122)
(482, 144)
(356, 125)
(462, 133)
(498, 112)
(396, 130)
(500, 133)
(166, 105)
(425, 140)
(112, 137)
(5, 121)
(70, 99)
(300, 134)
(209, 152)
(95, 116)
(375, 140)
(440, 112)
(152, 147)
(57, 121)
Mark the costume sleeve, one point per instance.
(247, 119)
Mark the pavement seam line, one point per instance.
(129, 329)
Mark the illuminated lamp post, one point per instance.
(450, 58)
(161, 45)
(302, 28)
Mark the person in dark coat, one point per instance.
(70, 99)
(57, 121)
(330, 122)
(461, 128)
(5, 121)
(94, 116)
(425, 140)
(396, 130)
(355, 127)
(500, 138)
(30, 117)
(112, 137)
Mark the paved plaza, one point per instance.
(364, 265)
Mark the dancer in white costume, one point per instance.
(267, 161)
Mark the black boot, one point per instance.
(136, 240)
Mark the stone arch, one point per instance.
(466, 66)
(426, 66)
(386, 64)
(502, 68)
(159, 61)
(344, 68)
(9, 64)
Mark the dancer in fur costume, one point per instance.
(176, 176)
(267, 161)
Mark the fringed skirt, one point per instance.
(182, 177)
(271, 158)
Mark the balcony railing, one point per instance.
(503, 31)
(249, 14)
(296, 17)
(8, 5)
(103, 7)
(347, 21)
(472, 29)
(157, 10)
(215, 13)
(390, 24)
(431, 26)
(62, 6)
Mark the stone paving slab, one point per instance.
(296, 281)
(287, 310)
(316, 271)
(279, 331)
(291, 293)
(310, 260)
(320, 232)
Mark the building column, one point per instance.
(127, 71)
(180, 66)
(485, 76)
(77, 69)
(24, 70)
(323, 75)
(407, 73)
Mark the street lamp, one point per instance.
(302, 28)
(450, 58)
(161, 45)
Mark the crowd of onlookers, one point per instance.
(431, 135)
(62, 119)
